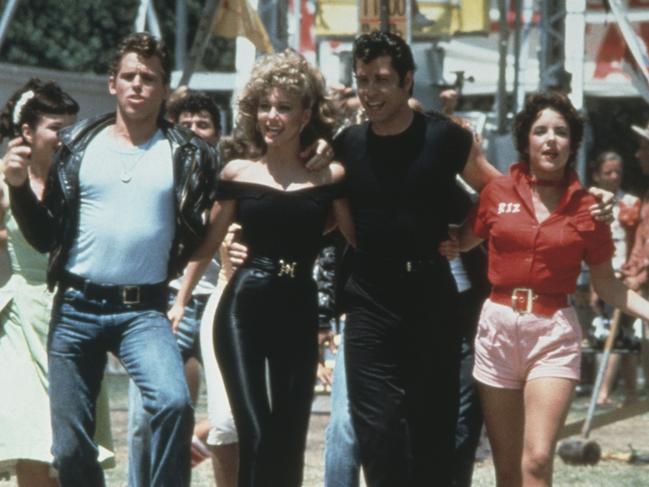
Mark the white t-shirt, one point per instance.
(126, 212)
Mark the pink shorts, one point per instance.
(513, 348)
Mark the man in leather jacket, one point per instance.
(123, 209)
(195, 169)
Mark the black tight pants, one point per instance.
(262, 320)
(402, 348)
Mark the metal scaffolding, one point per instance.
(552, 70)
(273, 14)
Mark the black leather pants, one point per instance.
(267, 320)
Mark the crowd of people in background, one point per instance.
(147, 234)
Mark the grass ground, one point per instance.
(615, 437)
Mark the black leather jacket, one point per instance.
(52, 225)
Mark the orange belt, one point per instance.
(525, 300)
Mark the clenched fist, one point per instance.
(16, 161)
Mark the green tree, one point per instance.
(80, 35)
(72, 35)
(220, 52)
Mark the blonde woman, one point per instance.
(268, 311)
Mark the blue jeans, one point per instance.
(139, 431)
(81, 332)
(342, 458)
(469, 421)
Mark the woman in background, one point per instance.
(31, 118)
(608, 170)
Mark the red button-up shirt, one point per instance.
(545, 257)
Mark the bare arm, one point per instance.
(466, 238)
(340, 213)
(34, 217)
(478, 171)
(221, 216)
(343, 218)
(614, 292)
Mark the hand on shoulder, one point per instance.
(333, 172)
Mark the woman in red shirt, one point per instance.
(539, 229)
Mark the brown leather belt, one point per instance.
(525, 300)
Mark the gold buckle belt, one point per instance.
(286, 268)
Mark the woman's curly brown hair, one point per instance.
(291, 72)
(534, 105)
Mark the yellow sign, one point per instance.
(237, 18)
(336, 18)
(429, 18)
(438, 18)
(369, 16)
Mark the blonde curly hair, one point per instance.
(291, 72)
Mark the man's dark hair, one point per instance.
(146, 46)
(368, 47)
(534, 105)
(194, 102)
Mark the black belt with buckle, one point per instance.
(114, 293)
(366, 262)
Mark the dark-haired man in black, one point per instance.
(402, 350)
(402, 341)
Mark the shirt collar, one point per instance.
(521, 175)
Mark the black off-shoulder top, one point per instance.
(281, 224)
